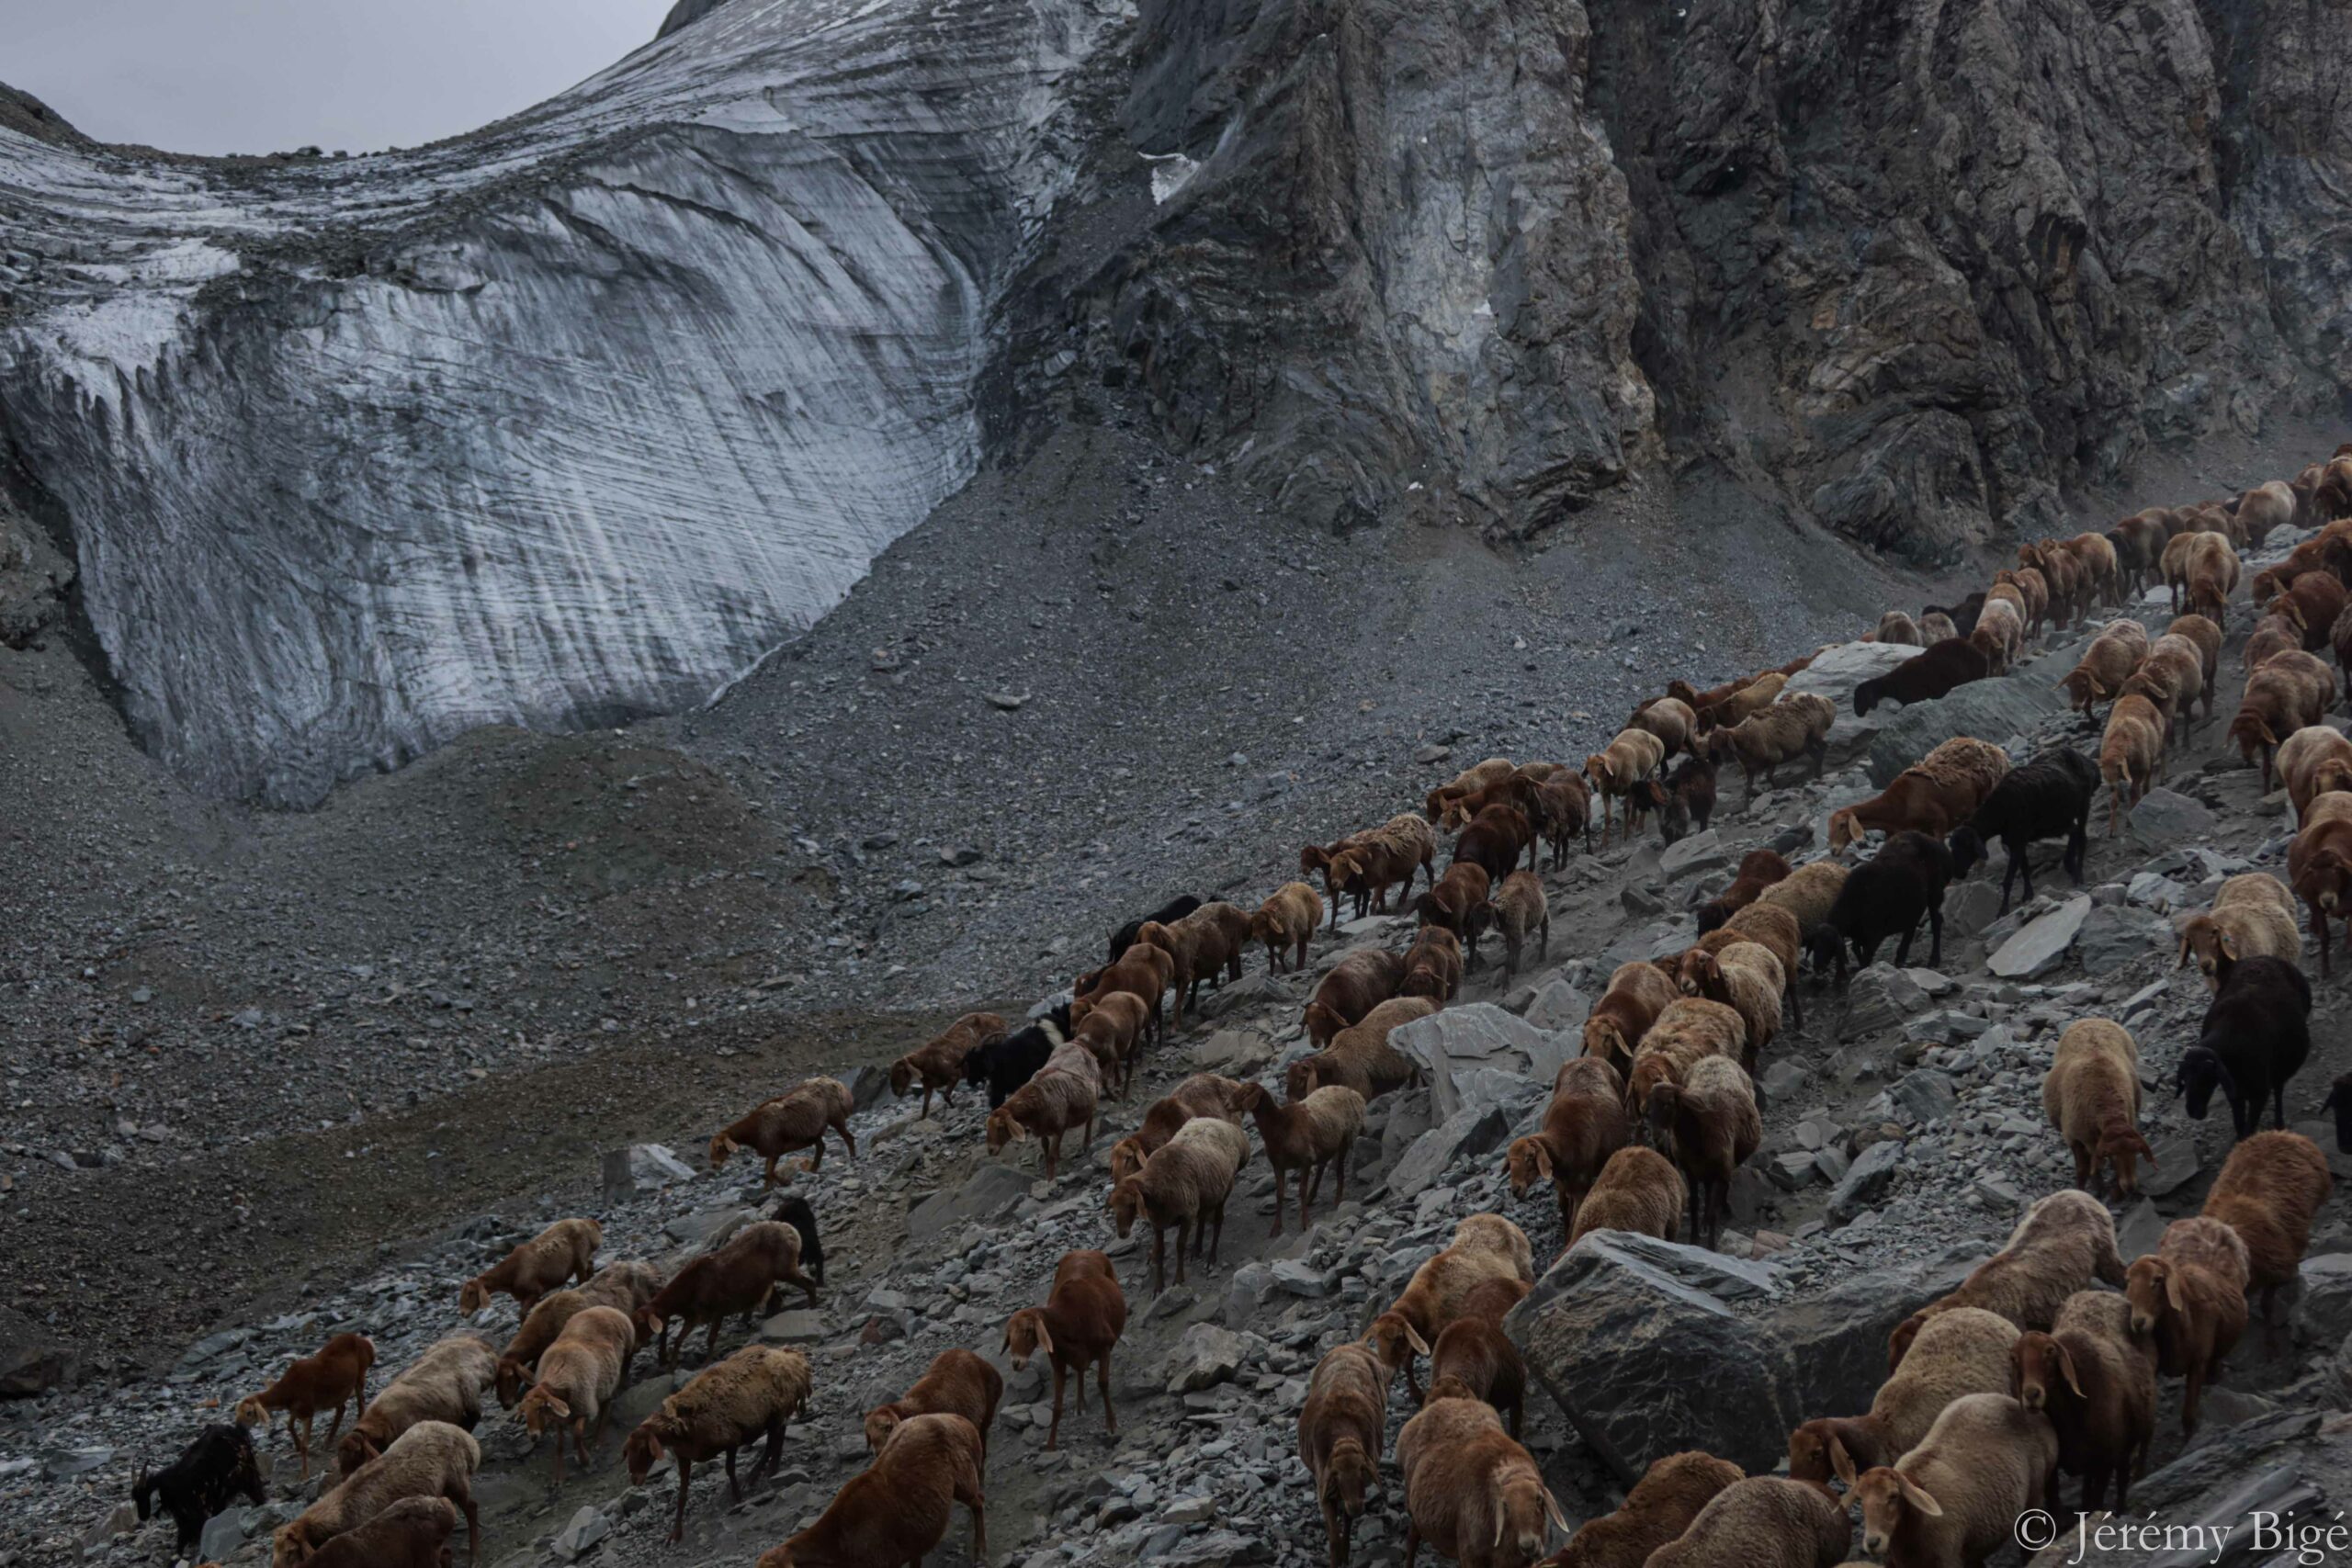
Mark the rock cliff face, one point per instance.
(575, 416)
(568, 418)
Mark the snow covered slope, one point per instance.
(569, 418)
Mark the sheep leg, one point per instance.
(769, 1179)
(1216, 1238)
(1054, 1431)
(733, 1490)
(1195, 1223)
(1936, 933)
(924, 1115)
(1412, 1541)
(1103, 1381)
(1159, 1254)
(559, 1457)
(1278, 1197)
(710, 1345)
(462, 1494)
(1335, 1524)
(2278, 1111)
(808, 1286)
(685, 1467)
(2190, 1394)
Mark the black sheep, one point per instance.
(1923, 677)
(794, 1212)
(2050, 797)
(1005, 1065)
(2256, 1037)
(209, 1471)
(1963, 614)
(2339, 1100)
(1885, 897)
(1687, 799)
(1168, 914)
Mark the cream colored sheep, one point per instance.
(2091, 1095)
(1186, 1185)
(566, 1249)
(431, 1458)
(1955, 1499)
(749, 1395)
(578, 1376)
(1963, 1352)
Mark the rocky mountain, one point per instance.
(577, 416)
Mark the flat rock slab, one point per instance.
(1456, 1044)
(2041, 946)
(2165, 818)
(1992, 710)
(988, 1193)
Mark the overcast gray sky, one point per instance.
(270, 76)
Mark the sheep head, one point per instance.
(1528, 1162)
(2119, 1147)
(541, 1408)
(1004, 1129)
(641, 1452)
(721, 1145)
(2037, 1363)
(880, 1421)
(1349, 1476)
(902, 1078)
(1025, 1334)
(1394, 1340)
(473, 1296)
(1125, 1202)
(2151, 1287)
(1887, 1496)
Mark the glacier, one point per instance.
(566, 419)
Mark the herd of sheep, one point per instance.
(2026, 1374)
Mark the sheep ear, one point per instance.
(1841, 1462)
(1045, 1337)
(1917, 1496)
(2184, 951)
(2173, 1293)
(558, 1409)
(2229, 949)
(1498, 1526)
(654, 1446)
(1552, 1511)
(2066, 1369)
(1542, 1162)
(1414, 1340)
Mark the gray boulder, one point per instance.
(1994, 709)
(2117, 934)
(1207, 1356)
(1879, 1000)
(989, 1192)
(2164, 819)
(1453, 1046)
(1558, 1008)
(1472, 1131)
(223, 1533)
(641, 1168)
(1866, 1180)
(1689, 856)
(2041, 944)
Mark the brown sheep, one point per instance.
(1361, 1056)
(412, 1533)
(1355, 985)
(749, 1395)
(1368, 865)
(2312, 762)
(2212, 571)
(2094, 553)
(1484, 1248)
(1808, 893)
(1933, 795)
(2319, 866)
(1048, 1106)
(1307, 1137)
(2098, 1385)
(432, 1459)
(898, 1508)
(2276, 632)
(1202, 946)
(1583, 1126)
(2107, 664)
(740, 1277)
(2035, 590)
(1797, 725)
(1185, 1185)
(1560, 809)
(2290, 693)
(1519, 910)
(1638, 1191)
(958, 1383)
(444, 1383)
(1458, 902)
(1709, 1126)
(2252, 917)
(1670, 720)
(2091, 1095)
(1077, 1327)
(1145, 971)
(1759, 869)
(2189, 1297)
(566, 1249)
(1286, 922)
(2064, 1242)
(2318, 599)
(2130, 756)
(1473, 1359)
(1963, 1352)
(335, 1377)
(2000, 631)
(1470, 1491)
(1494, 770)
(1738, 706)
(796, 1119)
(1762, 1522)
(1203, 1094)
(2205, 636)
(1341, 1428)
(1955, 1498)
(2264, 507)
(2268, 1190)
(1659, 1509)
(577, 1377)
(1744, 977)
(1897, 629)
(2172, 677)
(1110, 1032)
(1614, 771)
(1637, 993)
(938, 1063)
(1688, 1032)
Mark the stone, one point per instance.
(641, 1168)
(31, 1361)
(63, 1464)
(1879, 999)
(1866, 1180)
(1945, 1028)
(1558, 1007)
(1612, 1335)
(1455, 1043)
(1236, 1052)
(2114, 935)
(2323, 1306)
(796, 1327)
(2176, 1166)
(121, 1519)
(587, 1529)
(2041, 944)
(1970, 906)
(1297, 1278)
(2002, 706)
(2161, 894)
(2164, 819)
(1470, 1132)
(1924, 1095)
(223, 1533)
(1215, 1548)
(1783, 1080)
(2139, 1230)
(1204, 1357)
(867, 1083)
(708, 1227)
(1691, 855)
(987, 1193)
(1251, 993)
